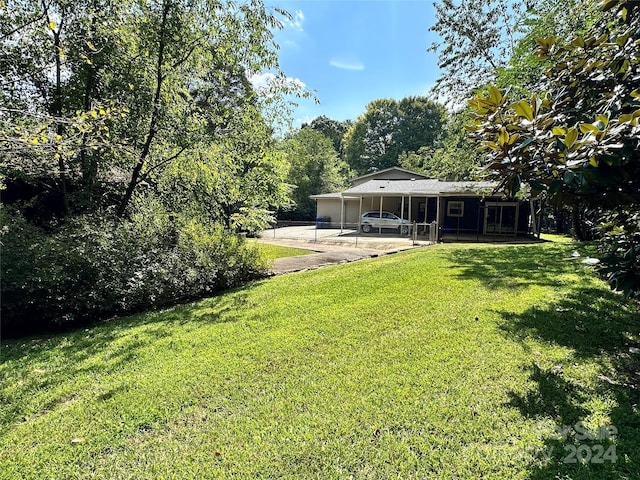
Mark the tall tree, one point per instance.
(314, 168)
(421, 124)
(388, 128)
(333, 129)
(478, 37)
(455, 159)
(135, 87)
(370, 143)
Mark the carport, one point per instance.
(386, 202)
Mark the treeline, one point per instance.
(415, 133)
(133, 149)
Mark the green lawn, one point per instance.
(272, 252)
(442, 362)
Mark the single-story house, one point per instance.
(460, 208)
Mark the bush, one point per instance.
(96, 267)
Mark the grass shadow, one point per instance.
(600, 329)
(100, 349)
(517, 265)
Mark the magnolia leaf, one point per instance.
(503, 137)
(571, 137)
(559, 131)
(523, 109)
(588, 128)
(578, 42)
(496, 96)
(593, 161)
(91, 46)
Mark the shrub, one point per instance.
(96, 267)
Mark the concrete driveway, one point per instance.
(331, 246)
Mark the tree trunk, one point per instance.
(56, 111)
(87, 161)
(137, 170)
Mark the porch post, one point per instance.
(410, 202)
(360, 214)
(426, 209)
(380, 224)
(438, 216)
(532, 215)
(341, 212)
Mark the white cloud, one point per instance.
(290, 44)
(266, 82)
(296, 21)
(354, 65)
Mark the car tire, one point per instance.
(404, 229)
(366, 228)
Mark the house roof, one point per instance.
(418, 187)
(391, 169)
(337, 195)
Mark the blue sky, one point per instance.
(353, 52)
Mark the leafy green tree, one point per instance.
(478, 37)
(542, 19)
(388, 128)
(577, 142)
(491, 42)
(456, 159)
(370, 144)
(333, 129)
(421, 124)
(314, 168)
(108, 95)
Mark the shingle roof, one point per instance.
(336, 195)
(419, 187)
(390, 169)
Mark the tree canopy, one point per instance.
(577, 139)
(133, 149)
(388, 128)
(99, 99)
(314, 167)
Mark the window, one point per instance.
(455, 209)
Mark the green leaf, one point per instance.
(503, 137)
(568, 177)
(496, 96)
(571, 137)
(555, 186)
(609, 4)
(604, 119)
(523, 109)
(588, 128)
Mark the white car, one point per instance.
(371, 220)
